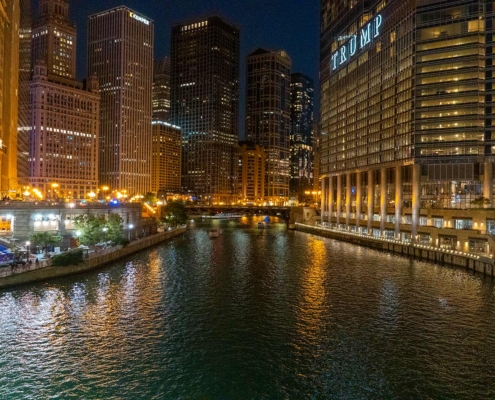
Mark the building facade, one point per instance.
(54, 39)
(205, 104)
(268, 117)
(161, 90)
(252, 161)
(9, 81)
(301, 134)
(25, 72)
(64, 113)
(166, 158)
(120, 54)
(406, 118)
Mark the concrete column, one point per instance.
(339, 198)
(371, 199)
(383, 199)
(416, 200)
(488, 181)
(398, 200)
(323, 199)
(330, 198)
(359, 188)
(348, 200)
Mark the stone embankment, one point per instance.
(94, 262)
(476, 263)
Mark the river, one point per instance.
(252, 314)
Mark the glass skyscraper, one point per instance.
(406, 117)
(205, 104)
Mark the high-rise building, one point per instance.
(268, 117)
(64, 113)
(166, 158)
(120, 54)
(407, 120)
(9, 80)
(205, 104)
(54, 39)
(252, 161)
(25, 71)
(301, 134)
(161, 90)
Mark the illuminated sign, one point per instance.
(138, 18)
(365, 37)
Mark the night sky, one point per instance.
(291, 25)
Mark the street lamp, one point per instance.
(131, 226)
(91, 195)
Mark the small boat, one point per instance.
(214, 232)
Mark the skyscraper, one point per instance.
(407, 139)
(64, 113)
(9, 80)
(25, 67)
(161, 90)
(166, 157)
(120, 54)
(268, 117)
(205, 104)
(302, 134)
(54, 39)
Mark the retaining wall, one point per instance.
(484, 265)
(90, 264)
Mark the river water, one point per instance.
(252, 314)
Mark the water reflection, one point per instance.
(255, 313)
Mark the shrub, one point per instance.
(72, 257)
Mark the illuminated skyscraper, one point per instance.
(54, 39)
(64, 113)
(161, 90)
(120, 54)
(407, 139)
(301, 134)
(268, 117)
(9, 80)
(25, 67)
(205, 104)
(166, 158)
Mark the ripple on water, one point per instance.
(253, 314)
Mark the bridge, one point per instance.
(272, 211)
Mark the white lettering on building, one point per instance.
(349, 49)
(138, 18)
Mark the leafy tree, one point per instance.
(174, 213)
(150, 198)
(91, 228)
(44, 239)
(115, 229)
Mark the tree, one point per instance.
(44, 239)
(90, 228)
(150, 198)
(174, 213)
(115, 229)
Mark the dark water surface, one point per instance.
(253, 314)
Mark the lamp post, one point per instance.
(131, 226)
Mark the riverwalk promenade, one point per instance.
(43, 271)
(475, 263)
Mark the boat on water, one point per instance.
(214, 233)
